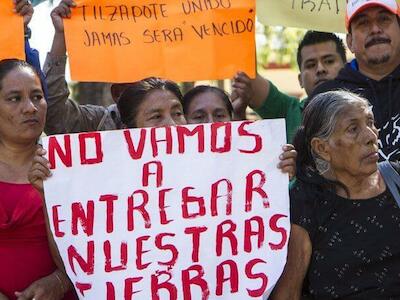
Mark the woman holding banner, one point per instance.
(27, 267)
(151, 102)
(344, 218)
(155, 102)
(208, 104)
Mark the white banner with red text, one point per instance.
(186, 212)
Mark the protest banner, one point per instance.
(11, 32)
(186, 212)
(182, 40)
(321, 15)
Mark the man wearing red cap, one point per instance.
(374, 38)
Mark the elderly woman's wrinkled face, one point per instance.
(353, 147)
(22, 106)
(207, 107)
(160, 108)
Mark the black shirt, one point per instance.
(355, 243)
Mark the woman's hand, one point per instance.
(62, 11)
(51, 287)
(25, 9)
(40, 169)
(288, 160)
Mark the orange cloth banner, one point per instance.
(182, 40)
(11, 32)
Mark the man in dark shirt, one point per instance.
(374, 38)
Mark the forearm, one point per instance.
(64, 281)
(289, 285)
(58, 47)
(58, 93)
(60, 273)
(261, 88)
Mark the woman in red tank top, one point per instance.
(27, 268)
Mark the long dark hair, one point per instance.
(133, 96)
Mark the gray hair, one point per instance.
(325, 109)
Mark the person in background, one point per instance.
(374, 37)
(28, 269)
(208, 104)
(63, 114)
(155, 102)
(320, 56)
(25, 9)
(343, 215)
(151, 102)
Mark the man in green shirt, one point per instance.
(320, 56)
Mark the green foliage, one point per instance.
(280, 47)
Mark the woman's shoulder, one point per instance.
(302, 190)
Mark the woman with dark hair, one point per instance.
(28, 270)
(207, 104)
(151, 102)
(344, 220)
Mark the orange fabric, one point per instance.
(125, 40)
(11, 32)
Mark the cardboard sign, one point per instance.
(11, 32)
(187, 212)
(321, 15)
(181, 40)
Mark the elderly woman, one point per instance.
(345, 222)
(27, 267)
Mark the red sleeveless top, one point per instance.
(24, 250)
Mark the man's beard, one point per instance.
(379, 60)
